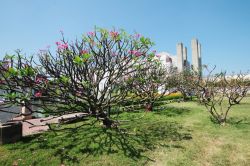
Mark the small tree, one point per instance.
(184, 83)
(83, 76)
(219, 93)
(151, 82)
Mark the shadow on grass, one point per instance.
(238, 122)
(234, 121)
(74, 146)
(171, 111)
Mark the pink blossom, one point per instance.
(62, 46)
(83, 51)
(114, 34)
(65, 46)
(138, 54)
(38, 80)
(135, 52)
(137, 35)
(158, 55)
(58, 43)
(38, 94)
(91, 34)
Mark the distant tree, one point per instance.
(184, 83)
(151, 82)
(86, 75)
(218, 93)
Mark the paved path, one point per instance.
(38, 125)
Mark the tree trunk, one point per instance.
(222, 121)
(185, 98)
(149, 107)
(106, 121)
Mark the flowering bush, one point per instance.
(88, 75)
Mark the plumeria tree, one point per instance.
(86, 75)
(219, 92)
(184, 83)
(151, 81)
(17, 76)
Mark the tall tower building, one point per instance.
(196, 55)
(180, 58)
(200, 62)
(185, 60)
(180, 61)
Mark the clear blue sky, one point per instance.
(222, 26)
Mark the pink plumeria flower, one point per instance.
(158, 55)
(135, 52)
(58, 43)
(114, 34)
(91, 34)
(137, 35)
(38, 94)
(65, 46)
(62, 46)
(138, 54)
(38, 80)
(83, 51)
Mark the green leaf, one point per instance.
(12, 71)
(64, 79)
(142, 39)
(10, 96)
(85, 84)
(86, 56)
(30, 71)
(77, 60)
(27, 71)
(58, 92)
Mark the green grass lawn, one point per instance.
(179, 134)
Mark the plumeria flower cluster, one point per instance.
(40, 80)
(38, 94)
(137, 35)
(158, 55)
(91, 34)
(114, 34)
(135, 52)
(82, 52)
(62, 46)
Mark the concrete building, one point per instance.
(180, 60)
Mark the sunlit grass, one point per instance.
(177, 134)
